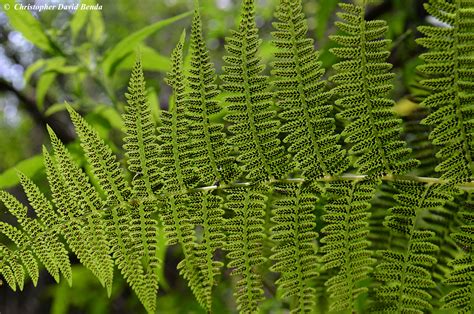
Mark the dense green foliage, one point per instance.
(308, 187)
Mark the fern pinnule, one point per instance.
(81, 213)
(245, 243)
(210, 151)
(363, 81)
(253, 126)
(302, 96)
(448, 73)
(405, 272)
(345, 244)
(295, 252)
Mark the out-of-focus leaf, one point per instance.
(325, 10)
(151, 60)
(95, 28)
(38, 64)
(47, 78)
(79, 19)
(29, 167)
(405, 107)
(118, 53)
(27, 25)
(154, 103)
(55, 108)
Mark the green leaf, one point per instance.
(126, 46)
(151, 60)
(35, 66)
(53, 66)
(29, 167)
(27, 25)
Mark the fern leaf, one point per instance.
(363, 81)
(84, 224)
(448, 72)
(141, 148)
(104, 164)
(302, 97)
(345, 243)
(211, 154)
(119, 222)
(405, 272)
(254, 127)
(244, 243)
(36, 237)
(140, 145)
(295, 252)
(461, 276)
(178, 172)
(48, 221)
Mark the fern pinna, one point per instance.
(279, 193)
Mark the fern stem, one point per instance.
(467, 186)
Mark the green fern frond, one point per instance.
(119, 222)
(302, 96)
(461, 298)
(406, 272)
(253, 125)
(104, 164)
(35, 236)
(173, 135)
(363, 81)
(80, 206)
(207, 214)
(345, 243)
(140, 145)
(245, 243)
(211, 153)
(295, 252)
(449, 72)
(47, 221)
(176, 160)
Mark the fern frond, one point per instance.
(47, 221)
(295, 252)
(80, 206)
(345, 243)
(35, 236)
(178, 173)
(211, 153)
(406, 272)
(253, 125)
(173, 135)
(119, 221)
(302, 96)
(207, 213)
(363, 80)
(104, 164)
(244, 243)
(140, 145)
(461, 298)
(90, 248)
(449, 72)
